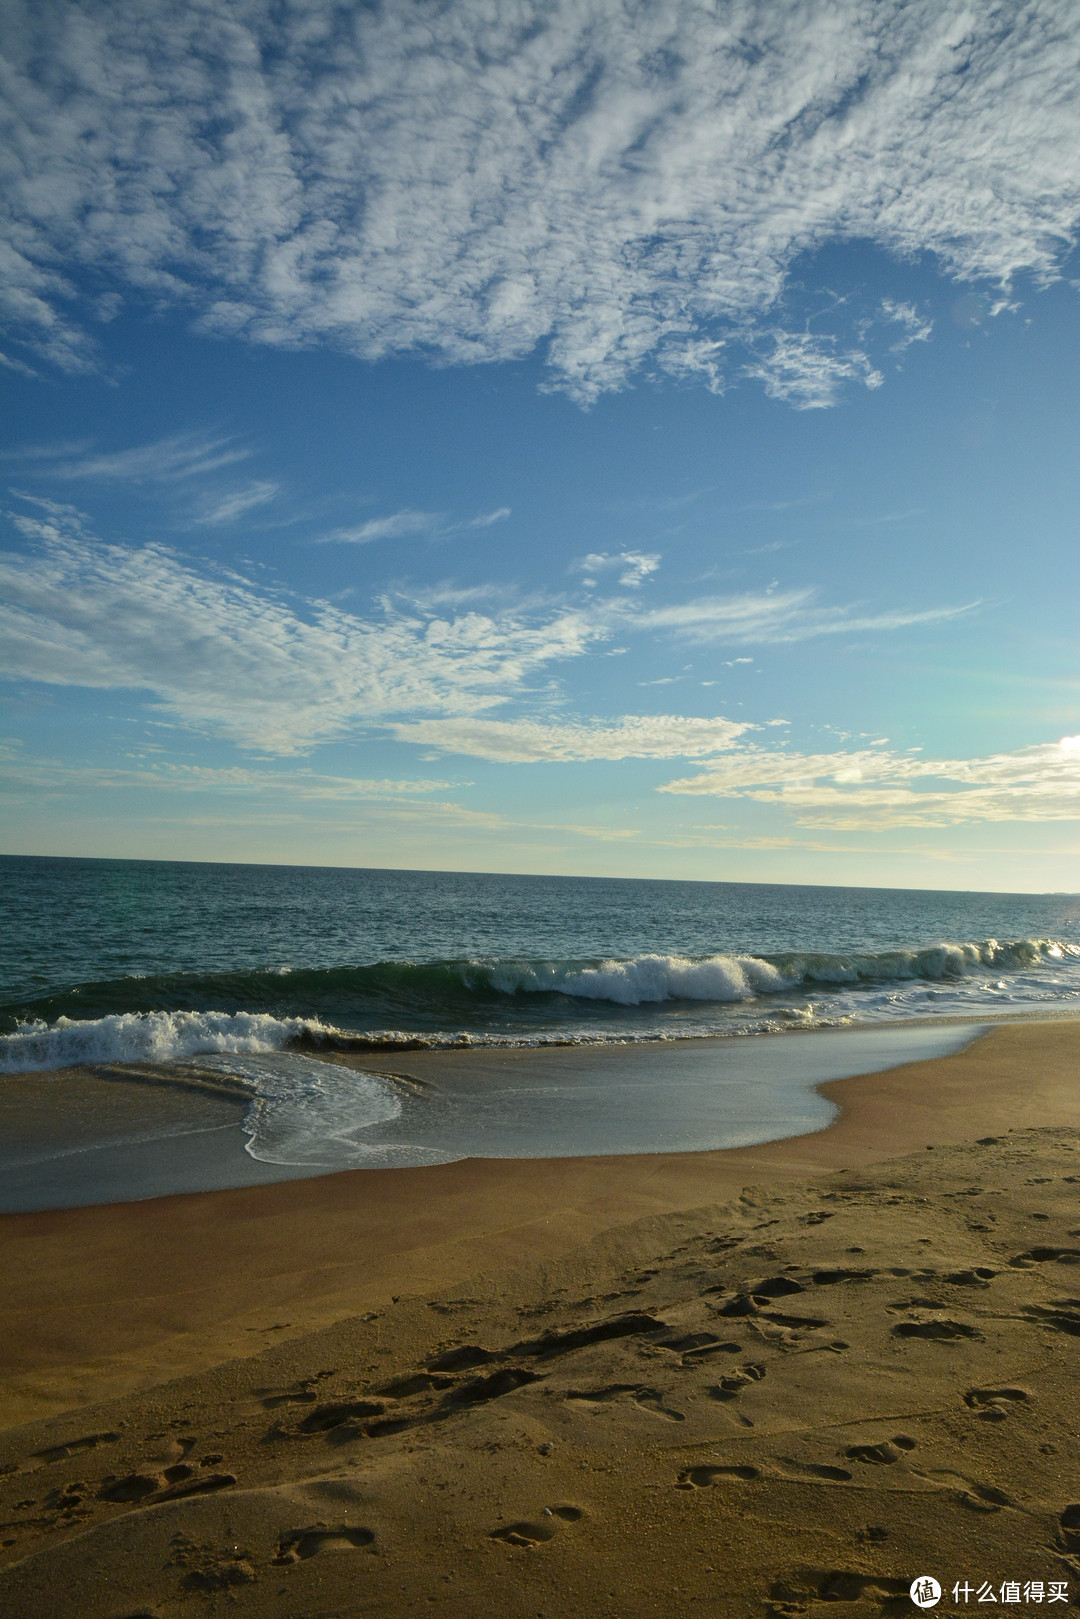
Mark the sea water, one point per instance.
(254, 970)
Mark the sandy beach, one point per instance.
(782, 1379)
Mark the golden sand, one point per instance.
(781, 1380)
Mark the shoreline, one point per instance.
(106, 1300)
(117, 1133)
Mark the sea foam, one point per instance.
(145, 1037)
(304, 1111)
(731, 978)
(648, 978)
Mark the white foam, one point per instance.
(308, 1112)
(143, 1037)
(653, 978)
(729, 979)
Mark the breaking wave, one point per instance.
(172, 1017)
(739, 978)
(142, 1037)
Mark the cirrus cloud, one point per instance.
(231, 659)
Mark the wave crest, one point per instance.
(646, 978)
(727, 978)
(403, 1005)
(145, 1037)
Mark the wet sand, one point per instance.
(777, 1380)
(81, 1136)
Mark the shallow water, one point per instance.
(307, 1117)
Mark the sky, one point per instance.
(580, 436)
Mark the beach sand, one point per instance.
(775, 1380)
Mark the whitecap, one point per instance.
(144, 1037)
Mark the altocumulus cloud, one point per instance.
(869, 789)
(533, 741)
(621, 182)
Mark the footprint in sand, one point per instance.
(978, 1276)
(132, 1487)
(829, 1278)
(530, 1532)
(1061, 1315)
(700, 1478)
(970, 1493)
(882, 1454)
(460, 1359)
(993, 1404)
(729, 1388)
(300, 1544)
(172, 1485)
(822, 1470)
(493, 1386)
(602, 1395)
(1070, 1527)
(324, 1418)
(63, 1453)
(937, 1331)
(632, 1324)
(403, 1388)
(984, 1498)
(652, 1401)
(792, 1594)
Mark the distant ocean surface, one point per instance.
(113, 960)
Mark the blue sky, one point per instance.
(573, 437)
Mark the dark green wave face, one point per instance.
(533, 994)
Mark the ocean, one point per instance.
(258, 973)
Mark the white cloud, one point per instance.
(413, 522)
(916, 327)
(227, 508)
(777, 617)
(622, 183)
(388, 528)
(20, 367)
(808, 372)
(183, 455)
(228, 659)
(56, 776)
(875, 790)
(529, 741)
(485, 519)
(632, 567)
